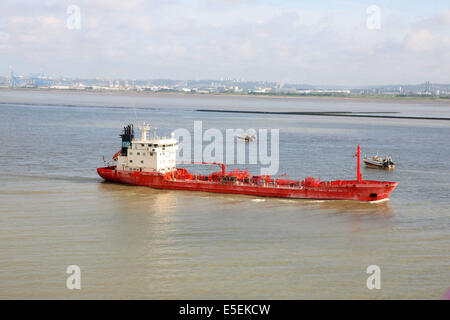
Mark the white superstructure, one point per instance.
(157, 154)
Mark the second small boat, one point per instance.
(379, 163)
(246, 137)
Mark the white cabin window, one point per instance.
(142, 161)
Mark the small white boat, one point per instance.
(246, 137)
(379, 163)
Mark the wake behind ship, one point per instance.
(152, 163)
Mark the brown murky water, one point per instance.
(135, 242)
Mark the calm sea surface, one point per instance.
(136, 242)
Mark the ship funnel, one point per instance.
(127, 136)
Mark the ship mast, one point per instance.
(144, 128)
(358, 165)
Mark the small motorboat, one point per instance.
(379, 163)
(246, 137)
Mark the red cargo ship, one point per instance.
(152, 163)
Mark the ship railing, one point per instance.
(239, 183)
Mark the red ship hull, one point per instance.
(362, 190)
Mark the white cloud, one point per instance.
(209, 39)
(422, 40)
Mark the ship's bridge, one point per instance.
(157, 154)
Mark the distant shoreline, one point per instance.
(443, 100)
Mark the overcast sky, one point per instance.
(331, 42)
